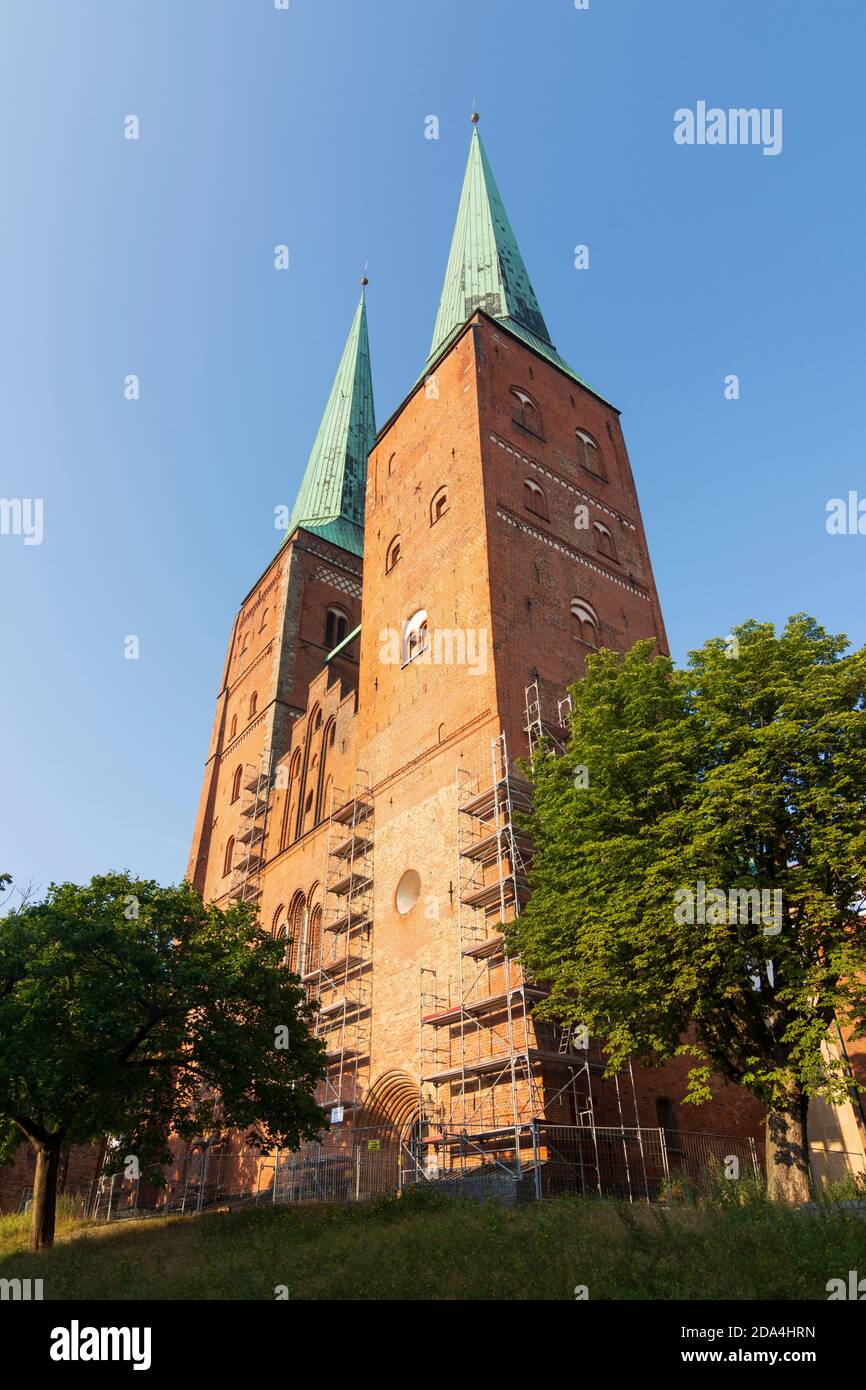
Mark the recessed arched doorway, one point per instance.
(392, 1106)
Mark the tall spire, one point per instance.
(330, 501)
(485, 268)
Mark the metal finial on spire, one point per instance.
(364, 280)
(475, 118)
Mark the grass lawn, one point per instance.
(450, 1250)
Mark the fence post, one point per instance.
(357, 1172)
(664, 1149)
(536, 1158)
(754, 1153)
(110, 1195)
(186, 1165)
(202, 1176)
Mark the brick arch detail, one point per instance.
(391, 1104)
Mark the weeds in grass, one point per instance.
(424, 1245)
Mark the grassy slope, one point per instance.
(455, 1251)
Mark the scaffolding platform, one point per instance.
(354, 811)
(345, 964)
(487, 849)
(490, 1003)
(351, 922)
(493, 945)
(351, 883)
(483, 804)
(354, 847)
(489, 894)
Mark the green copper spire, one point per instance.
(485, 268)
(330, 502)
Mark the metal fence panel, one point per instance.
(535, 1160)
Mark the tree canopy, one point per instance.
(700, 862)
(126, 1008)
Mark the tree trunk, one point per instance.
(44, 1204)
(788, 1151)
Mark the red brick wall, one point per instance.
(277, 648)
(504, 578)
(17, 1175)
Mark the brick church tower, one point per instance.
(439, 587)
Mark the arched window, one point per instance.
(289, 824)
(314, 940)
(280, 931)
(666, 1119)
(236, 782)
(439, 505)
(414, 636)
(265, 612)
(664, 1112)
(589, 454)
(525, 412)
(391, 464)
(254, 700)
(584, 622)
(604, 543)
(534, 499)
(336, 627)
(228, 861)
(234, 727)
(297, 930)
(392, 555)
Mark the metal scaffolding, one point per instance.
(481, 1056)
(249, 853)
(552, 732)
(490, 1073)
(340, 983)
(587, 1082)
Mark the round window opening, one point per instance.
(408, 891)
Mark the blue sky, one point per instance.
(306, 127)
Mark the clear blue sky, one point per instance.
(261, 127)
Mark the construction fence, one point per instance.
(548, 1160)
(527, 1162)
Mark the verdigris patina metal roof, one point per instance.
(330, 501)
(486, 270)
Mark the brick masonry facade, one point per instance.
(501, 518)
(495, 567)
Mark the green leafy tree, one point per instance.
(126, 1008)
(744, 773)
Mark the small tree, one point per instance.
(125, 1008)
(743, 775)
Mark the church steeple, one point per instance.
(330, 502)
(485, 268)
